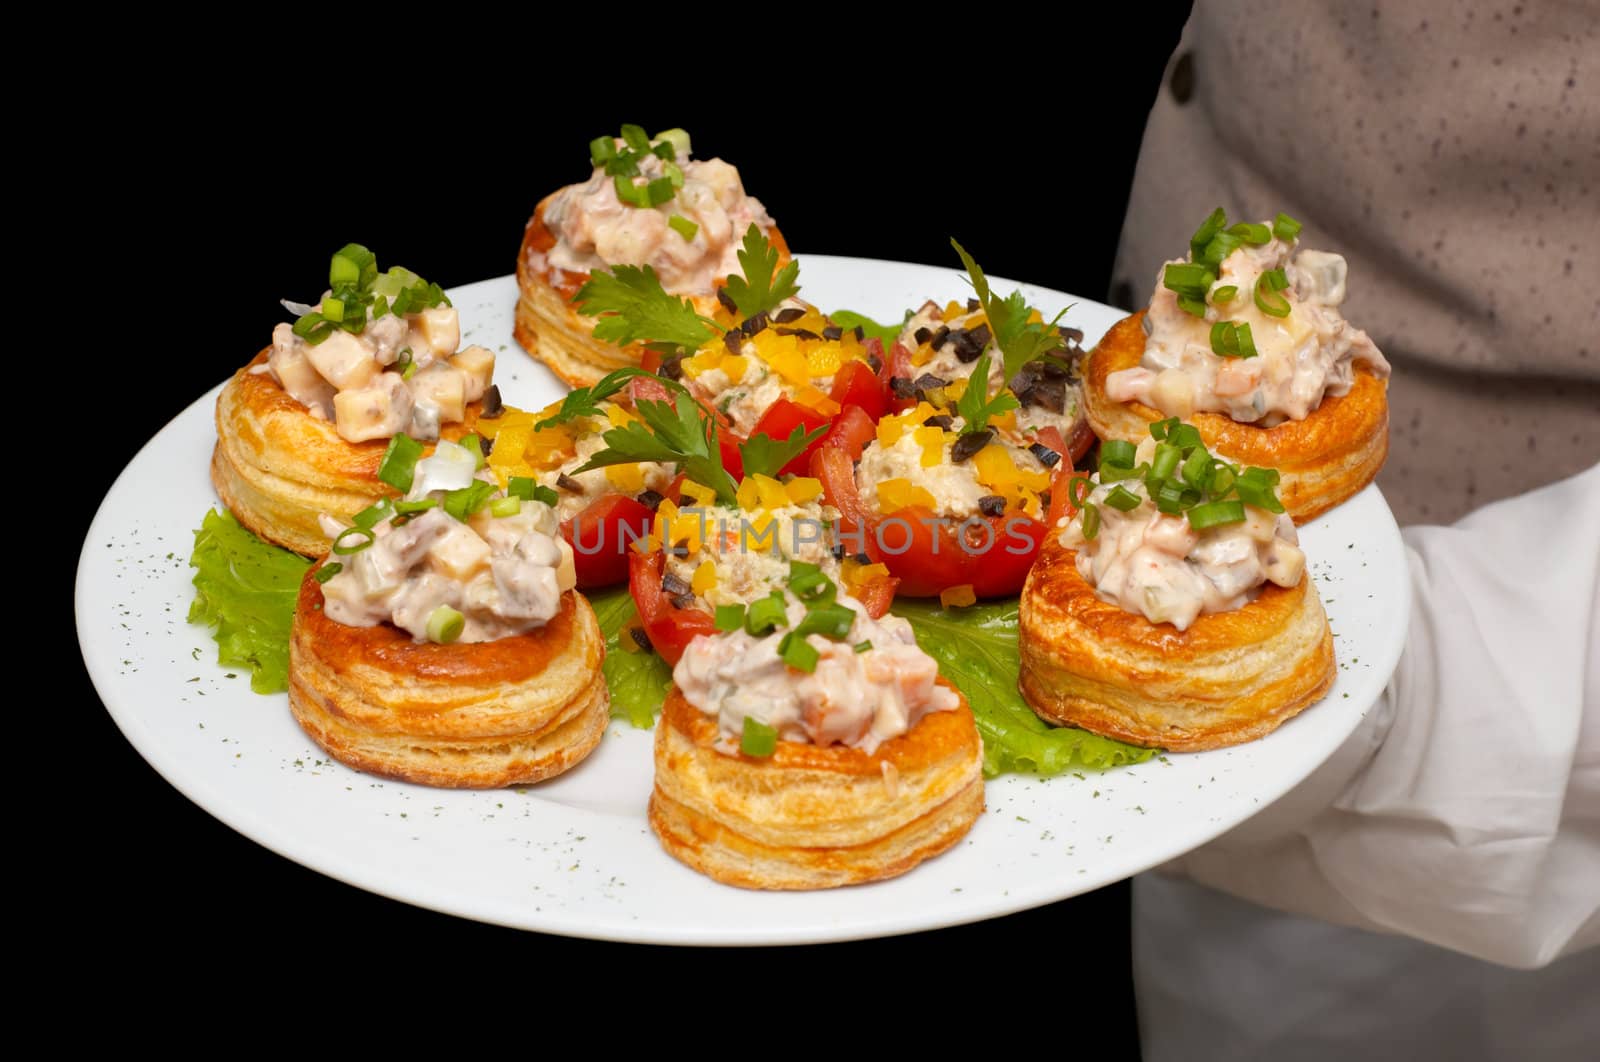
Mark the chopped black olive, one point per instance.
(798, 333)
(568, 484)
(832, 332)
(921, 335)
(650, 500)
(675, 586)
(902, 387)
(941, 421)
(928, 382)
(838, 551)
(861, 558)
(755, 324)
(640, 638)
(992, 505)
(791, 313)
(939, 337)
(973, 305)
(1047, 457)
(980, 335)
(682, 601)
(1046, 394)
(861, 334)
(727, 301)
(493, 405)
(733, 339)
(970, 444)
(1071, 335)
(967, 347)
(487, 442)
(672, 368)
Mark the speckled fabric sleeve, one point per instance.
(1451, 152)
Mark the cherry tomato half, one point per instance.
(669, 628)
(600, 536)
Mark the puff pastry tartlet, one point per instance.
(303, 428)
(1153, 632)
(869, 765)
(645, 204)
(1245, 340)
(447, 651)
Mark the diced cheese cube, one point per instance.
(477, 366)
(437, 330)
(445, 387)
(344, 361)
(301, 380)
(375, 412)
(459, 552)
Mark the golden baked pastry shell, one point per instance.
(1231, 677)
(480, 715)
(1323, 460)
(813, 817)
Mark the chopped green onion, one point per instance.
(1245, 341)
(1222, 477)
(1112, 474)
(520, 487)
(1197, 469)
(373, 515)
(1160, 428)
(1208, 228)
(1216, 252)
(674, 173)
(547, 495)
(327, 571)
(1256, 487)
(798, 653)
(475, 444)
(1252, 232)
(628, 192)
(1118, 453)
(683, 226)
(1078, 490)
(1276, 279)
(505, 507)
(408, 508)
(808, 583)
(343, 550)
(1091, 522)
(729, 617)
(1186, 278)
(352, 266)
(1172, 496)
(1268, 300)
(1285, 228)
(664, 151)
(1184, 436)
(445, 625)
(766, 614)
(1224, 293)
(1165, 462)
(758, 739)
(1123, 500)
(1220, 332)
(399, 465)
(830, 620)
(602, 149)
(1215, 514)
(659, 191)
(332, 308)
(1193, 305)
(678, 139)
(380, 306)
(469, 499)
(635, 137)
(862, 647)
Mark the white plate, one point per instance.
(575, 855)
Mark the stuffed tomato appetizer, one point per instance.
(954, 491)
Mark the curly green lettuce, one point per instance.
(977, 650)
(638, 678)
(245, 589)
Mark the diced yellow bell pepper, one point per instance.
(954, 390)
(898, 493)
(749, 496)
(932, 442)
(825, 359)
(509, 445)
(953, 309)
(689, 530)
(735, 365)
(772, 493)
(618, 416)
(802, 489)
(702, 362)
(1006, 421)
(995, 468)
(698, 493)
(958, 596)
(759, 533)
(628, 478)
(857, 574)
(1034, 481)
(814, 399)
(705, 578)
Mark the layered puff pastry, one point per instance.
(477, 715)
(809, 816)
(646, 204)
(1230, 677)
(1324, 459)
(277, 466)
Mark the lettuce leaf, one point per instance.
(638, 678)
(977, 650)
(246, 589)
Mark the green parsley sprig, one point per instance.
(975, 406)
(763, 455)
(1019, 339)
(631, 307)
(585, 401)
(763, 285)
(683, 436)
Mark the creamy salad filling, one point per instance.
(552, 457)
(946, 343)
(921, 458)
(690, 239)
(576, 490)
(722, 556)
(500, 571)
(872, 685)
(1160, 566)
(1302, 356)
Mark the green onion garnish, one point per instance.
(1165, 462)
(332, 309)
(327, 571)
(1197, 469)
(862, 647)
(547, 495)
(1123, 500)
(1078, 491)
(469, 499)
(807, 582)
(659, 191)
(1224, 293)
(520, 487)
(1245, 341)
(602, 149)
(1091, 522)
(674, 174)
(445, 625)
(1184, 437)
(766, 614)
(1252, 232)
(1186, 278)
(472, 442)
(343, 550)
(1172, 497)
(373, 515)
(1276, 279)
(1118, 453)
(635, 137)
(683, 226)
(1285, 228)
(1221, 246)
(406, 508)
(798, 653)
(1215, 514)
(758, 739)
(505, 507)
(399, 465)
(832, 621)
(664, 151)
(1268, 299)
(729, 617)
(1208, 228)
(1222, 477)
(1112, 474)
(1193, 305)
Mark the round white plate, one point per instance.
(575, 855)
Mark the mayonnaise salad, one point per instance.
(455, 560)
(1297, 346)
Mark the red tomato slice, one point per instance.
(669, 628)
(855, 384)
(922, 551)
(780, 421)
(837, 472)
(852, 430)
(728, 440)
(1001, 568)
(600, 536)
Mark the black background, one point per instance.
(883, 152)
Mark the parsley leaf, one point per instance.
(1020, 340)
(848, 319)
(585, 401)
(684, 436)
(764, 455)
(758, 290)
(632, 307)
(975, 405)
